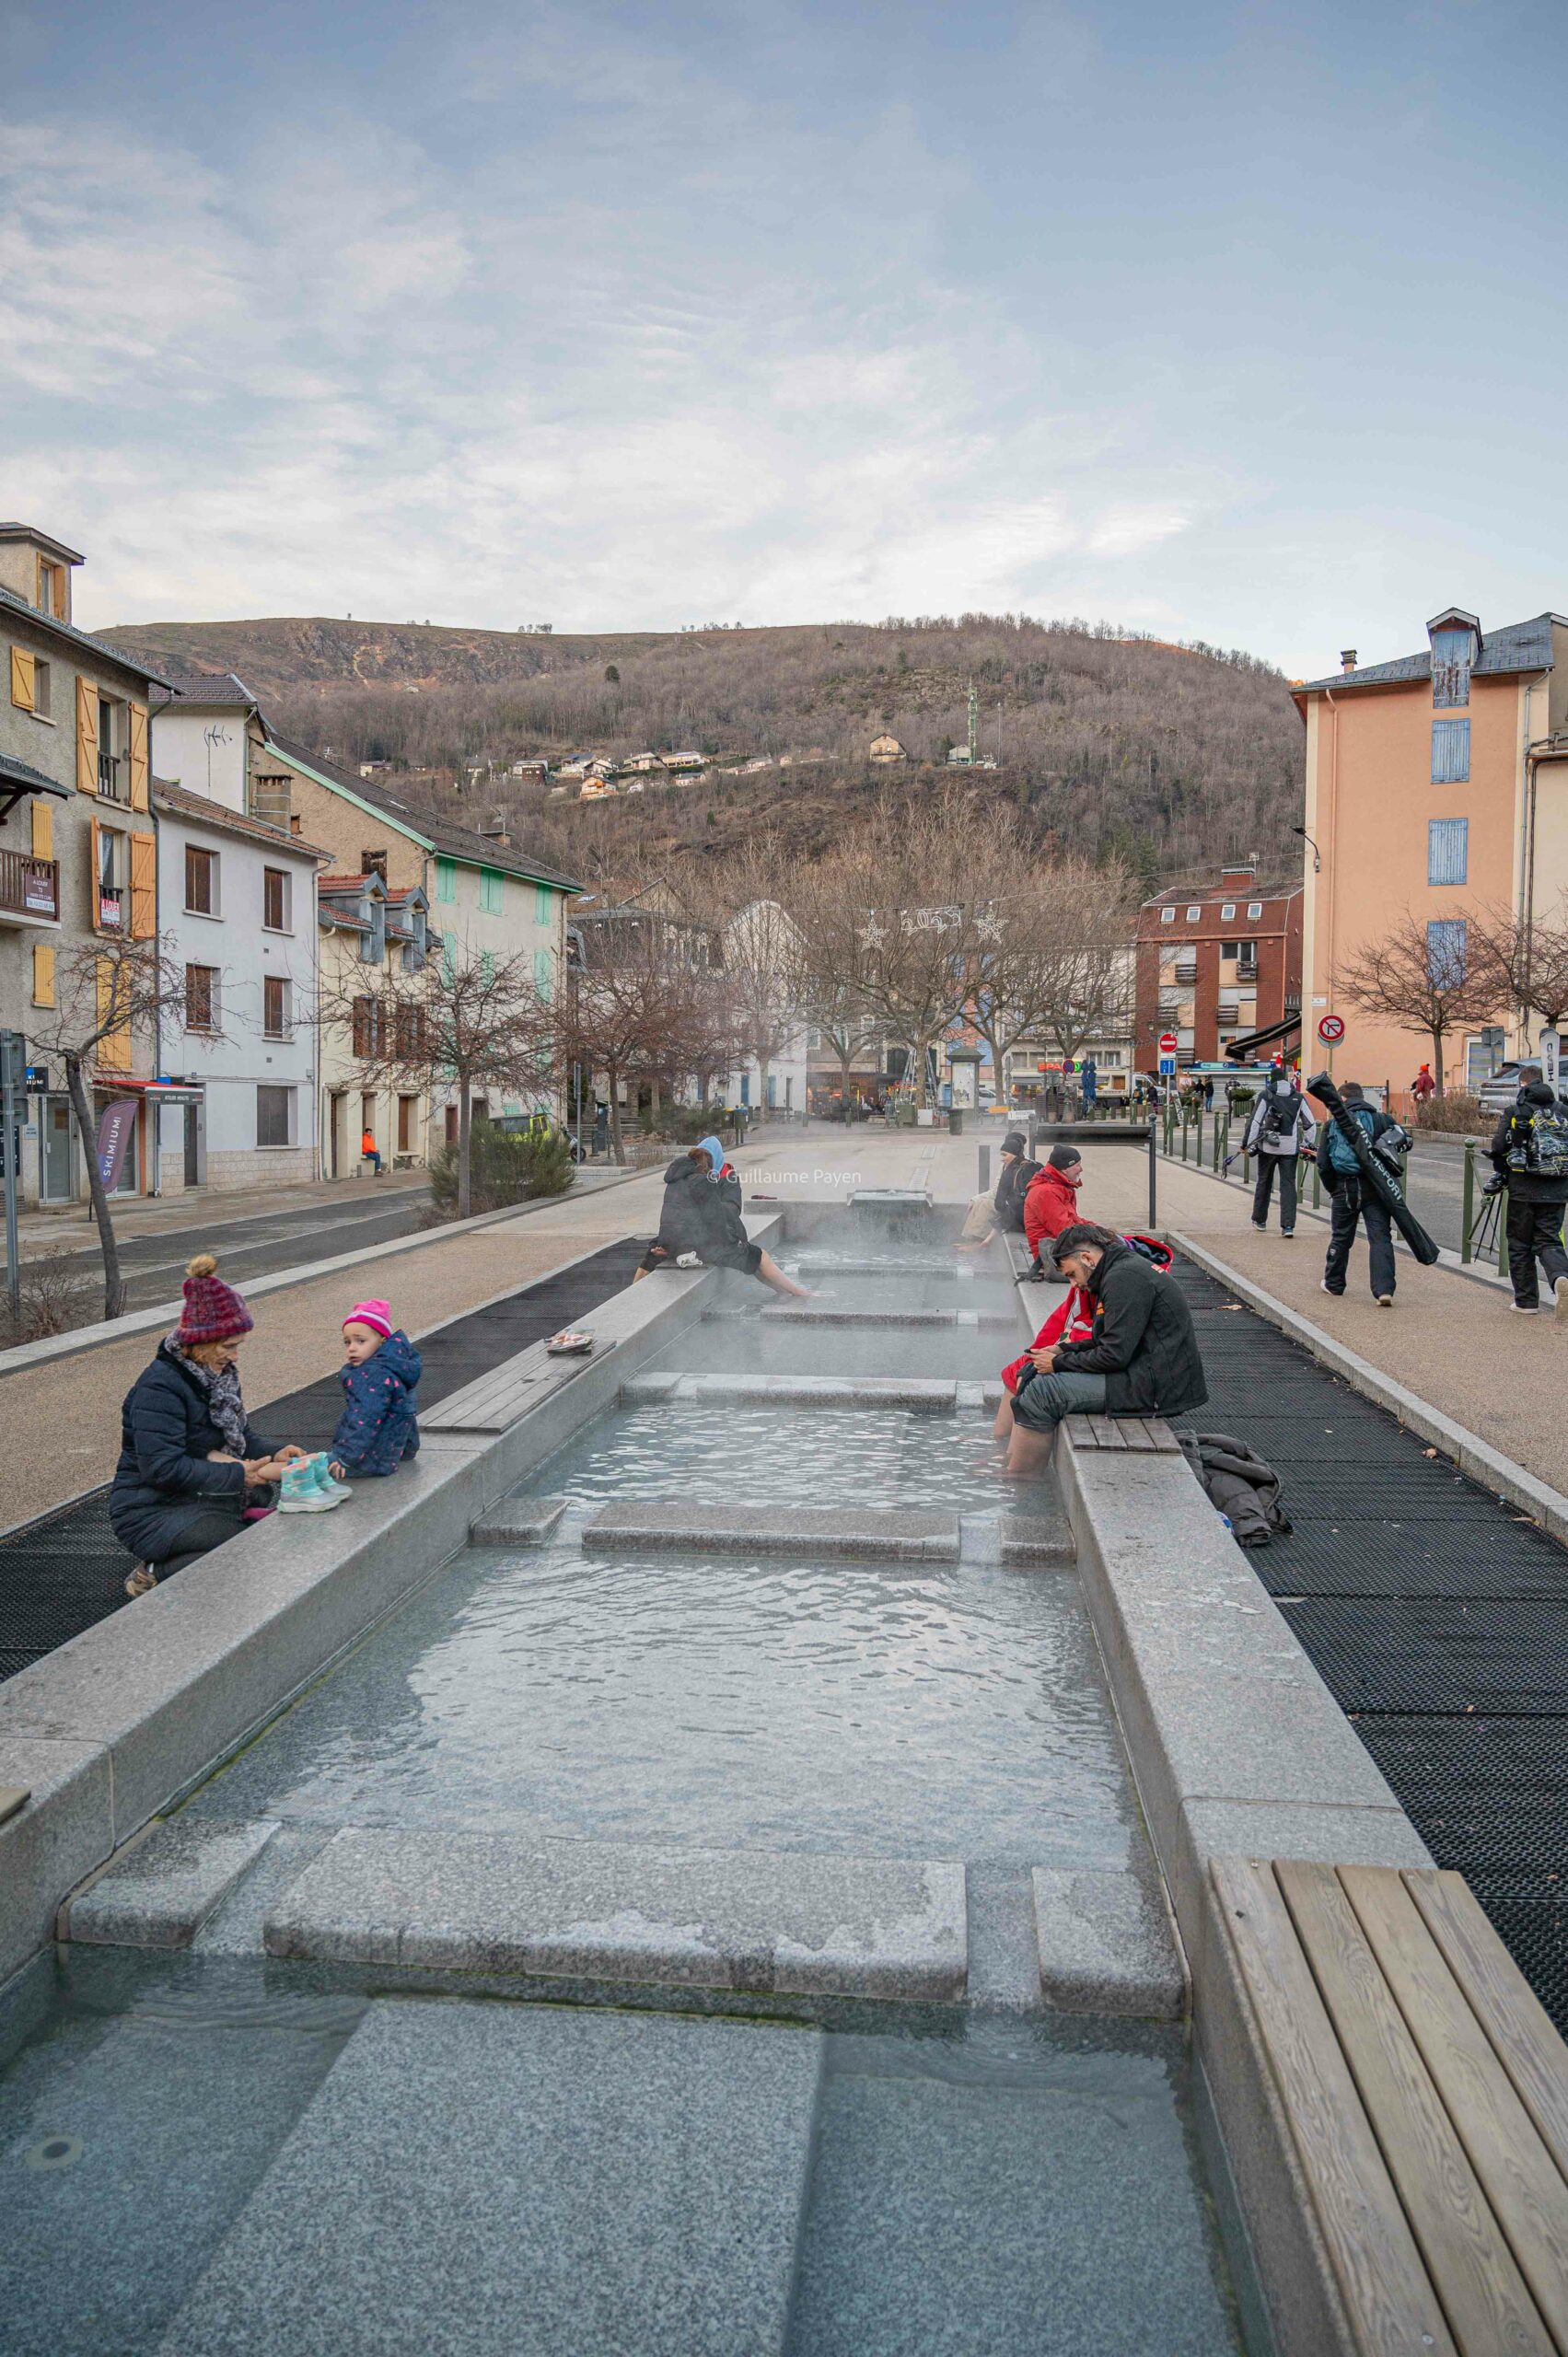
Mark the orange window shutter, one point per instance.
(114, 1048)
(42, 973)
(144, 886)
(94, 884)
(21, 679)
(87, 737)
(138, 757)
(42, 831)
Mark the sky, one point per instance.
(1241, 322)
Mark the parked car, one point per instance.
(1496, 1094)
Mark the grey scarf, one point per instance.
(221, 1387)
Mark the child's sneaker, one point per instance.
(299, 1492)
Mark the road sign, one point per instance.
(1330, 1027)
(1167, 1043)
(1167, 1067)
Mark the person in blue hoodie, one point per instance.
(379, 1426)
(700, 1223)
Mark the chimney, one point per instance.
(494, 829)
(1243, 867)
(1347, 658)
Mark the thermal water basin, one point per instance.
(889, 1711)
(198, 2156)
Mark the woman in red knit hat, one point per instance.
(192, 1467)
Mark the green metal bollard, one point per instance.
(1316, 1186)
(1466, 1215)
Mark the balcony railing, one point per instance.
(29, 887)
(113, 780)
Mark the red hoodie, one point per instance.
(1072, 1320)
(1048, 1207)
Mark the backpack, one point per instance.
(1538, 1142)
(1341, 1153)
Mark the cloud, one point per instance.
(1127, 531)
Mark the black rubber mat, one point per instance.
(62, 1573)
(1437, 1612)
(1421, 1558)
(1473, 1752)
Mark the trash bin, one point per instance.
(955, 1121)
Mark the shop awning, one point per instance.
(1244, 1045)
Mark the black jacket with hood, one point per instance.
(1334, 1179)
(1525, 1186)
(700, 1213)
(1144, 1343)
(1007, 1202)
(163, 1479)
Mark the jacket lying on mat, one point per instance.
(1144, 1343)
(164, 1479)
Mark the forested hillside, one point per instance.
(1171, 756)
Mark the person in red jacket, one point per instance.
(1051, 1203)
(1073, 1321)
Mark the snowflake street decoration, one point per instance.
(989, 926)
(872, 936)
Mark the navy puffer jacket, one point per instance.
(163, 1479)
(377, 1427)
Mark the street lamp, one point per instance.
(1317, 862)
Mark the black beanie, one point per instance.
(1062, 1158)
(1015, 1143)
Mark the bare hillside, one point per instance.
(1173, 756)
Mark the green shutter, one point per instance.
(541, 903)
(541, 972)
(492, 892)
(446, 880)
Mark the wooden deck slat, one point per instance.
(1522, 2034)
(1517, 2174)
(1387, 2291)
(1487, 2300)
(1080, 1431)
(1106, 1431)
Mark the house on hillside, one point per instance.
(886, 749)
(485, 895)
(682, 764)
(644, 764)
(597, 789)
(78, 855)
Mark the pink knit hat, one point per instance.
(214, 1312)
(377, 1314)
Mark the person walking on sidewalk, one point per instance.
(1424, 1086)
(1279, 1130)
(1353, 1203)
(1529, 1154)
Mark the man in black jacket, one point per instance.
(1003, 1209)
(1142, 1360)
(1351, 1201)
(1537, 1195)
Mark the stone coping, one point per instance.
(114, 1725)
(922, 1395)
(776, 1530)
(1471, 1453)
(707, 1919)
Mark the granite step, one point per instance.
(884, 1536)
(922, 1395)
(486, 2179)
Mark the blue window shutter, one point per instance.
(1447, 851)
(1446, 952)
(1450, 752)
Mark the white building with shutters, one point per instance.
(238, 904)
(77, 851)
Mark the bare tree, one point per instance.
(1052, 941)
(105, 993)
(762, 951)
(1527, 960)
(642, 1005)
(1415, 980)
(825, 903)
(469, 1022)
(908, 868)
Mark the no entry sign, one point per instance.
(1167, 1043)
(1330, 1027)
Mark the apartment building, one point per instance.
(368, 932)
(1437, 788)
(1220, 965)
(484, 896)
(78, 852)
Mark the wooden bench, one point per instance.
(1426, 2098)
(1145, 1432)
(493, 1402)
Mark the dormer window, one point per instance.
(51, 594)
(1455, 643)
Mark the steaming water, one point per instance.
(755, 1454)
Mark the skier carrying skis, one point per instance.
(1354, 1199)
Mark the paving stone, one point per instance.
(1042, 1538)
(706, 1919)
(481, 2180)
(162, 1890)
(777, 1530)
(517, 1522)
(235, 1927)
(1105, 1945)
